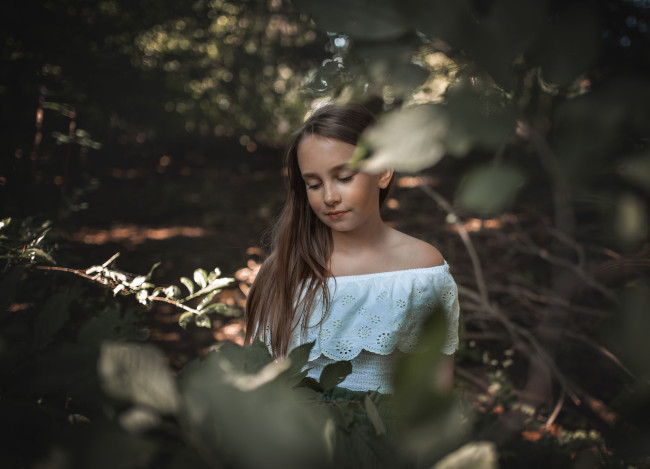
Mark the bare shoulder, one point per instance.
(413, 253)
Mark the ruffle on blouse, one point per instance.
(380, 313)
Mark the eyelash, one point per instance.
(341, 179)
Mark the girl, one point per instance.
(338, 275)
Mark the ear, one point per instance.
(383, 178)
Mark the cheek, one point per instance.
(312, 199)
(367, 190)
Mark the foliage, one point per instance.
(80, 389)
(539, 103)
(86, 86)
(542, 110)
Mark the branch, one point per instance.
(464, 236)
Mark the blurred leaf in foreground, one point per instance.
(409, 140)
(139, 374)
(263, 426)
(489, 189)
(432, 416)
(476, 455)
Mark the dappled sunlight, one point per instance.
(232, 332)
(392, 204)
(246, 276)
(409, 182)
(160, 336)
(478, 224)
(136, 234)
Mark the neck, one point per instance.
(370, 235)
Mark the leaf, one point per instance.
(409, 140)
(188, 284)
(300, 356)
(478, 116)
(139, 420)
(61, 138)
(373, 414)
(172, 292)
(220, 282)
(287, 433)
(334, 374)
(215, 308)
(35, 253)
(474, 455)
(214, 275)
(139, 374)
(245, 359)
(202, 320)
(151, 271)
(138, 281)
(249, 382)
(51, 105)
(636, 170)
(185, 319)
(404, 78)
(143, 297)
(489, 189)
(207, 299)
(201, 277)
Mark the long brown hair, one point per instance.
(291, 278)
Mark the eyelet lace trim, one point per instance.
(381, 320)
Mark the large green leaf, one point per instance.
(139, 374)
(431, 413)
(243, 359)
(478, 116)
(474, 455)
(487, 190)
(636, 170)
(334, 374)
(226, 420)
(409, 139)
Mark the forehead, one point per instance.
(321, 155)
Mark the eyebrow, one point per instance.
(333, 170)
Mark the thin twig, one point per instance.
(102, 281)
(556, 410)
(464, 236)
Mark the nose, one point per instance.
(331, 195)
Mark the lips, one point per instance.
(336, 214)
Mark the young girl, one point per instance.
(338, 275)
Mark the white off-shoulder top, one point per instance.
(372, 317)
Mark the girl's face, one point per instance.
(342, 198)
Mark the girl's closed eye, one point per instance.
(346, 178)
(313, 185)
